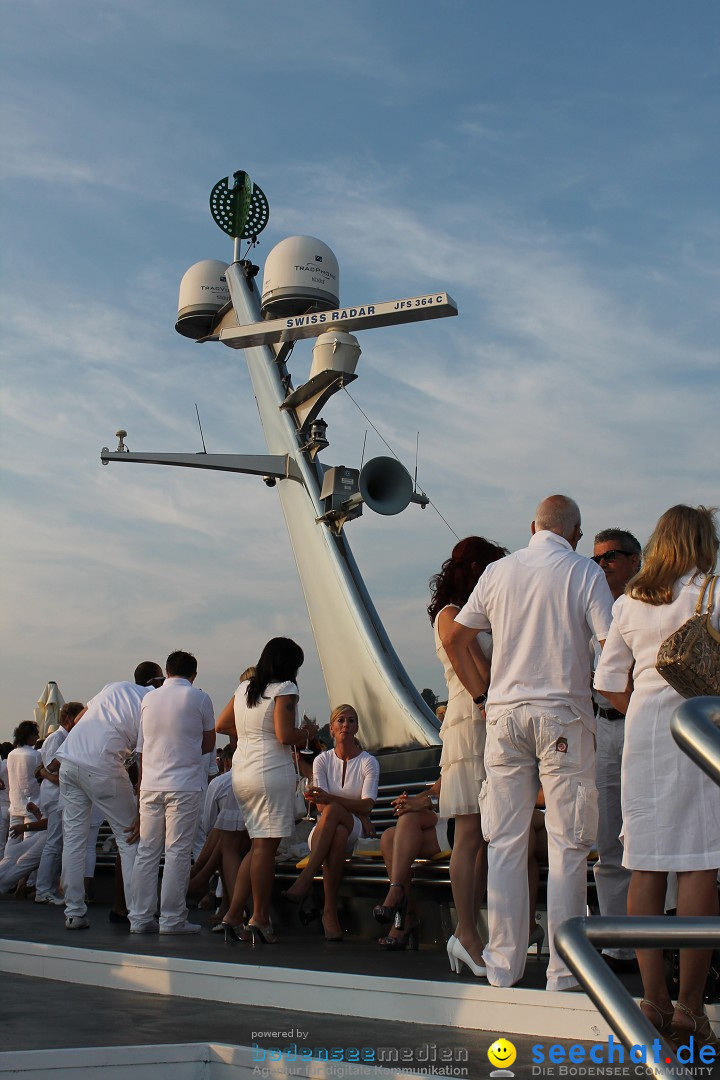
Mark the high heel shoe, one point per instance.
(410, 939)
(461, 956)
(332, 935)
(451, 955)
(662, 1021)
(308, 915)
(233, 933)
(699, 1028)
(383, 913)
(537, 937)
(293, 898)
(262, 935)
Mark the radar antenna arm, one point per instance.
(280, 466)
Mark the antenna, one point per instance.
(362, 456)
(417, 449)
(241, 211)
(201, 430)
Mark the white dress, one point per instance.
(357, 780)
(671, 809)
(463, 737)
(263, 777)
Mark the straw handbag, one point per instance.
(690, 658)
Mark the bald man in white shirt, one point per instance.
(543, 605)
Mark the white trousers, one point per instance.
(21, 859)
(80, 787)
(527, 746)
(96, 819)
(168, 820)
(611, 877)
(48, 874)
(17, 819)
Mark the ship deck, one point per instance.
(105, 987)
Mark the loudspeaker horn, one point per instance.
(386, 486)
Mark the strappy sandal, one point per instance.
(383, 913)
(664, 1022)
(700, 1030)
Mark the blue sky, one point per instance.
(553, 166)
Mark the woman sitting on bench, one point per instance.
(344, 790)
(419, 834)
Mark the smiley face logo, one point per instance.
(502, 1053)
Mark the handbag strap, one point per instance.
(715, 634)
(709, 580)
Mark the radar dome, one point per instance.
(301, 275)
(203, 293)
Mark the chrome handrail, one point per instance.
(695, 726)
(576, 941)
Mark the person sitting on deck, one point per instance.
(344, 789)
(419, 834)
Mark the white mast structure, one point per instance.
(299, 300)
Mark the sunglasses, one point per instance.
(610, 556)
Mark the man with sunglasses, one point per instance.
(617, 553)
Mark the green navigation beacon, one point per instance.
(241, 211)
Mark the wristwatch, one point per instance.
(480, 699)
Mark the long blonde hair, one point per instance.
(684, 538)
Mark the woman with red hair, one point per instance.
(463, 738)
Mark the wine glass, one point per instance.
(307, 750)
(306, 785)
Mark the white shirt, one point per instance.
(21, 765)
(107, 734)
(361, 775)
(219, 795)
(172, 723)
(543, 604)
(50, 792)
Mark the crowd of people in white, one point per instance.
(530, 749)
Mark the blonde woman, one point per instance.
(344, 789)
(671, 809)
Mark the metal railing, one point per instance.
(695, 726)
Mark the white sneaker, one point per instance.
(182, 928)
(146, 927)
(49, 898)
(76, 922)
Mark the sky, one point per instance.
(553, 166)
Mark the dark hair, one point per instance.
(280, 661)
(630, 544)
(147, 671)
(182, 664)
(5, 749)
(459, 574)
(70, 710)
(25, 733)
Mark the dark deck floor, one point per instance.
(300, 948)
(40, 1013)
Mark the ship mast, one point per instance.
(359, 663)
